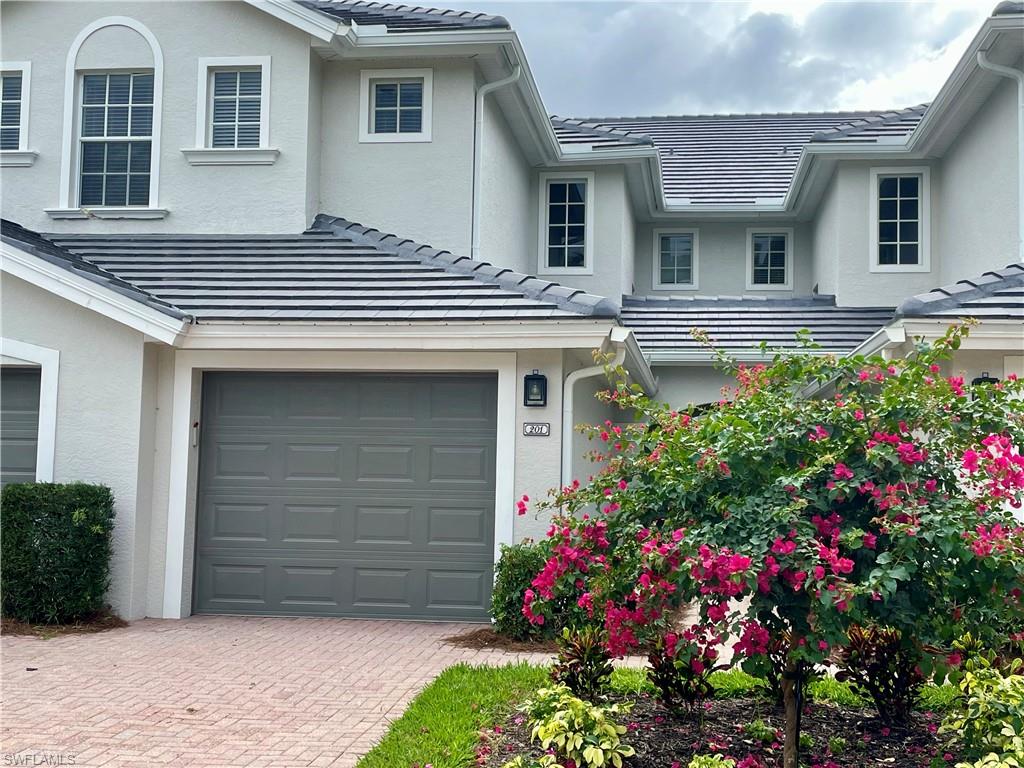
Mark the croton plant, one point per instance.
(819, 494)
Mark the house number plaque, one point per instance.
(536, 429)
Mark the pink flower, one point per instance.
(870, 540)
(623, 485)
(842, 472)
(858, 415)
(819, 572)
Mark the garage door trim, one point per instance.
(48, 361)
(185, 411)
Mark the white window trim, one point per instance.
(750, 284)
(48, 362)
(66, 206)
(366, 78)
(202, 153)
(542, 219)
(924, 221)
(656, 260)
(22, 156)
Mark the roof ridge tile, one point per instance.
(533, 287)
(945, 298)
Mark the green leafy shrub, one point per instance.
(711, 761)
(55, 550)
(574, 730)
(836, 745)
(583, 664)
(513, 573)
(991, 719)
(761, 731)
(879, 665)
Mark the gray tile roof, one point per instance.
(664, 325)
(578, 133)
(883, 128)
(44, 248)
(738, 159)
(336, 271)
(404, 18)
(997, 295)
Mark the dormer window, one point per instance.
(770, 259)
(899, 225)
(395, 105)
(566, 215)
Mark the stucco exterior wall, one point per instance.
(263, 198)
(505, 195)
(856, 285)
(538, 459)
(825, 241)
(682, 385)
(722, 259)
(420, 190)
(611, 241)
(99, 406)
(976, 209)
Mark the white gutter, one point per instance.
(478, 134)
(618, 338)
(1017, 75)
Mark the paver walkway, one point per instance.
(212, 691)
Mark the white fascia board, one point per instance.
(949, 97)
(93, 296)
(696, 357)
(549, 334)
(1000, 335)
(319, 25)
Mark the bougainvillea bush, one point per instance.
(818, 495)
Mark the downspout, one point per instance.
(478, 131)
(1017, 75)
(567, 402)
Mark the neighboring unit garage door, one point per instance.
(19, 424)
(346, 495)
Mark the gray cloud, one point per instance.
(605, 58)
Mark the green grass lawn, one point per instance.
(440, 727)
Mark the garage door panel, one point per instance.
(19, 424)
(347, 494)
(255, 521)
(283, 585)
(462, 402)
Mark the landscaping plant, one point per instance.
(55, 550)
(574, 730)
(583, 665)
(990, 722)
(819, 494)
(880, 665)
(681, 665)
(514, 571)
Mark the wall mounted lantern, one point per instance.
(535, 390)
(985, 378)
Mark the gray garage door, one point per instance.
(346, 495)
(19, 424)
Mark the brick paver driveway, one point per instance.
(219, 691)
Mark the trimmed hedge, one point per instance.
(54, 550)
(518, 565)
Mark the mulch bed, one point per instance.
(486, 638)
(100, 622)
(662, 738)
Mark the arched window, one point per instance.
(110, 156)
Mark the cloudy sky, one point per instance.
(604, 58)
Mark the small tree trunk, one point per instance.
(791, 748)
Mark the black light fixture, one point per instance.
(535, 389)
(983, 379)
